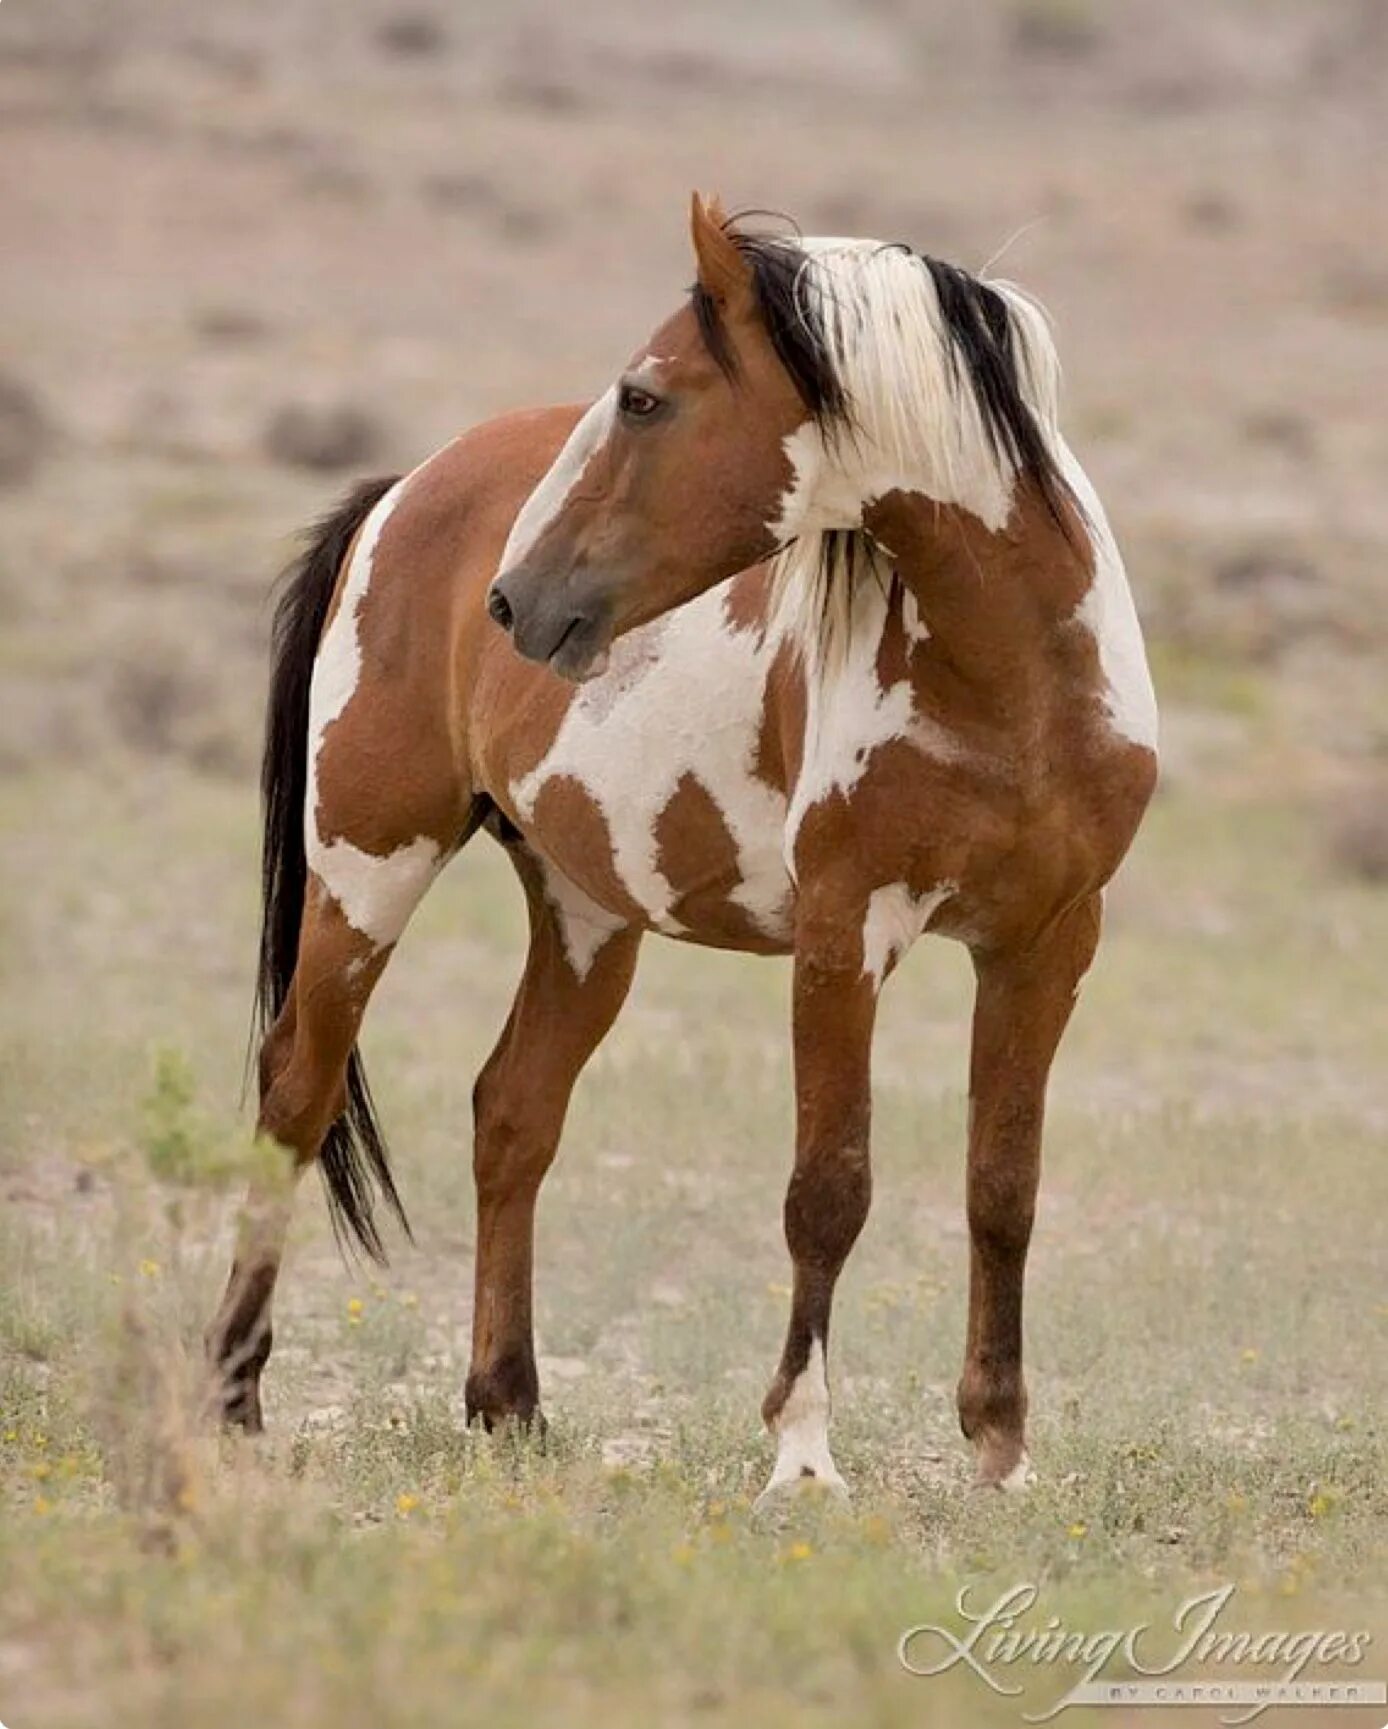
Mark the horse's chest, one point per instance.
(649, 798)
(873, 750)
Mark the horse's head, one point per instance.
(677, 476)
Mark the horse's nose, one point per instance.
(499, 607)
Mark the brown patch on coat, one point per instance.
(370, 792)
(781, 735)
(894, 649)
(697, 855)
(565, 806)
(746, 601)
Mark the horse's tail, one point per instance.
(353, 1156)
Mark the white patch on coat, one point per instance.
(583, 924)
(802, 1430)
(1109, 614)
(377, 893)
(917, 630)
(553, 490)
(895, 918)
(850, 716)
(683, 695)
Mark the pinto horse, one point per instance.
(808, 637)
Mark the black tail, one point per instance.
(353, 1157)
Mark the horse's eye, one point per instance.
(635, 403)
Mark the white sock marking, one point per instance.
(802, 1429)
(1020, 1477)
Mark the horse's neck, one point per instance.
(994, 603)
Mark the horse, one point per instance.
(807, 638)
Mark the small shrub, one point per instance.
(25, 432)
(413, 36)
(335, 436)
(178, 1143)
(149, 702)
(1359, 833)
(1061, 28)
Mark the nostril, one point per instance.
(500, 608)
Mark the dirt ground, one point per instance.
(246, 254)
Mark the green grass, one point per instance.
(1208, 1312)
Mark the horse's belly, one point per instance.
(648, 803)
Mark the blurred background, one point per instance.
(247, 252)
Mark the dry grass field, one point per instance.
(246, 253)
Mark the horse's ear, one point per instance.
(724, 273)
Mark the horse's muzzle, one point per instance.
(547, 626)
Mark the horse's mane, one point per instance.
(911, 370)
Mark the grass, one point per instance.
(1207, 1308)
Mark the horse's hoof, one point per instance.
(790, 1494)
(1015, 1481)
(234, 1411)
(520, 1428)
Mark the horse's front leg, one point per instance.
(1023, 1003)
(831, 1184)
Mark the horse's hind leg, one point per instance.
(303, 1072)
(577, 975)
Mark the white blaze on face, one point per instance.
(802, 1430)
(895, 918)
(554, 490)
(376, 893)
(1108, 613)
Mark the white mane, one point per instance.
(916, 423)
